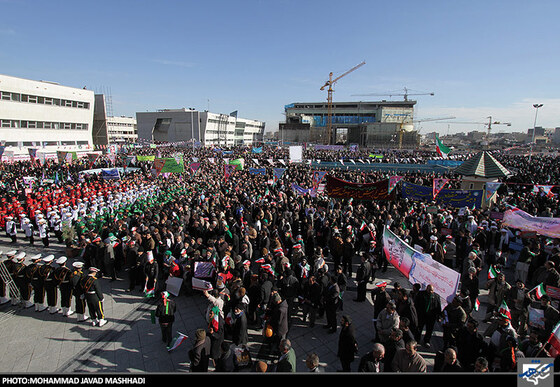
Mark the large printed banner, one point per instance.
(420, 268)
(341, 189)
(516, 218)
(446, 197)
(169, 165)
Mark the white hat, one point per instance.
(48, 258)
(35, 257)
(61, 260)
(78, 265)
(433, 238)
(13, 252)
(19, 256)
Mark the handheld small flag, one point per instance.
(539, 291)
(215, 323)
(149, 293)
(504, 310)
(492, 272)
(477, 305)
(177, 341)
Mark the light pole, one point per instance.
(536, 106)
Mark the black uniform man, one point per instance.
(62, 275)
(94, 297)
(79, 296)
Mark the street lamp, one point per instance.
(536, 106)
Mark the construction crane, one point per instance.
(330, 90)
(487, 124)
(401, 128)
(389, 94)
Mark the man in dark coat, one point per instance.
(347, 344)
(380, 297)
(199, 355)
(362, 278)
(428, 307)
(332, 300)
(165, 312)
(278, 319)
(373, 361)
(239, 329)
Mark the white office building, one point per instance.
(122, 130)
(44, 115)
(206, 128)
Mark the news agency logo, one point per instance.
(536, 372)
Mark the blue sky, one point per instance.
(480, 58)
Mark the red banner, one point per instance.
(341, 189)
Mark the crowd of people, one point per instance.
(271, 254)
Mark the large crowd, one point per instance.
(271, 253)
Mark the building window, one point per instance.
(9, 96)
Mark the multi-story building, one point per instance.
(206, 128)
(122, 130)
(44, 115)
(363, 123)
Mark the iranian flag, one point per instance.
(504, 309)
(477, 305)
(177, 341)
(268, 268)
(149, 293)
(539, 291)
(441, 149)
(492, 272)
(215, 323)
(363, 226)
(260, 260)
(554, 339)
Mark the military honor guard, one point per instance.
(62, 275)
(94, 297)
(49, 280)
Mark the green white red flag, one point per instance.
(441, 149)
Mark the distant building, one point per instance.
(44, 115)
(362, 123)
(206, 128)
(540, 136)
(556, 136)
(109, 130)
(122, 130)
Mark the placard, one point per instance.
(174, 285)
(536, 317)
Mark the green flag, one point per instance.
(441, 149)
(239, 163)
